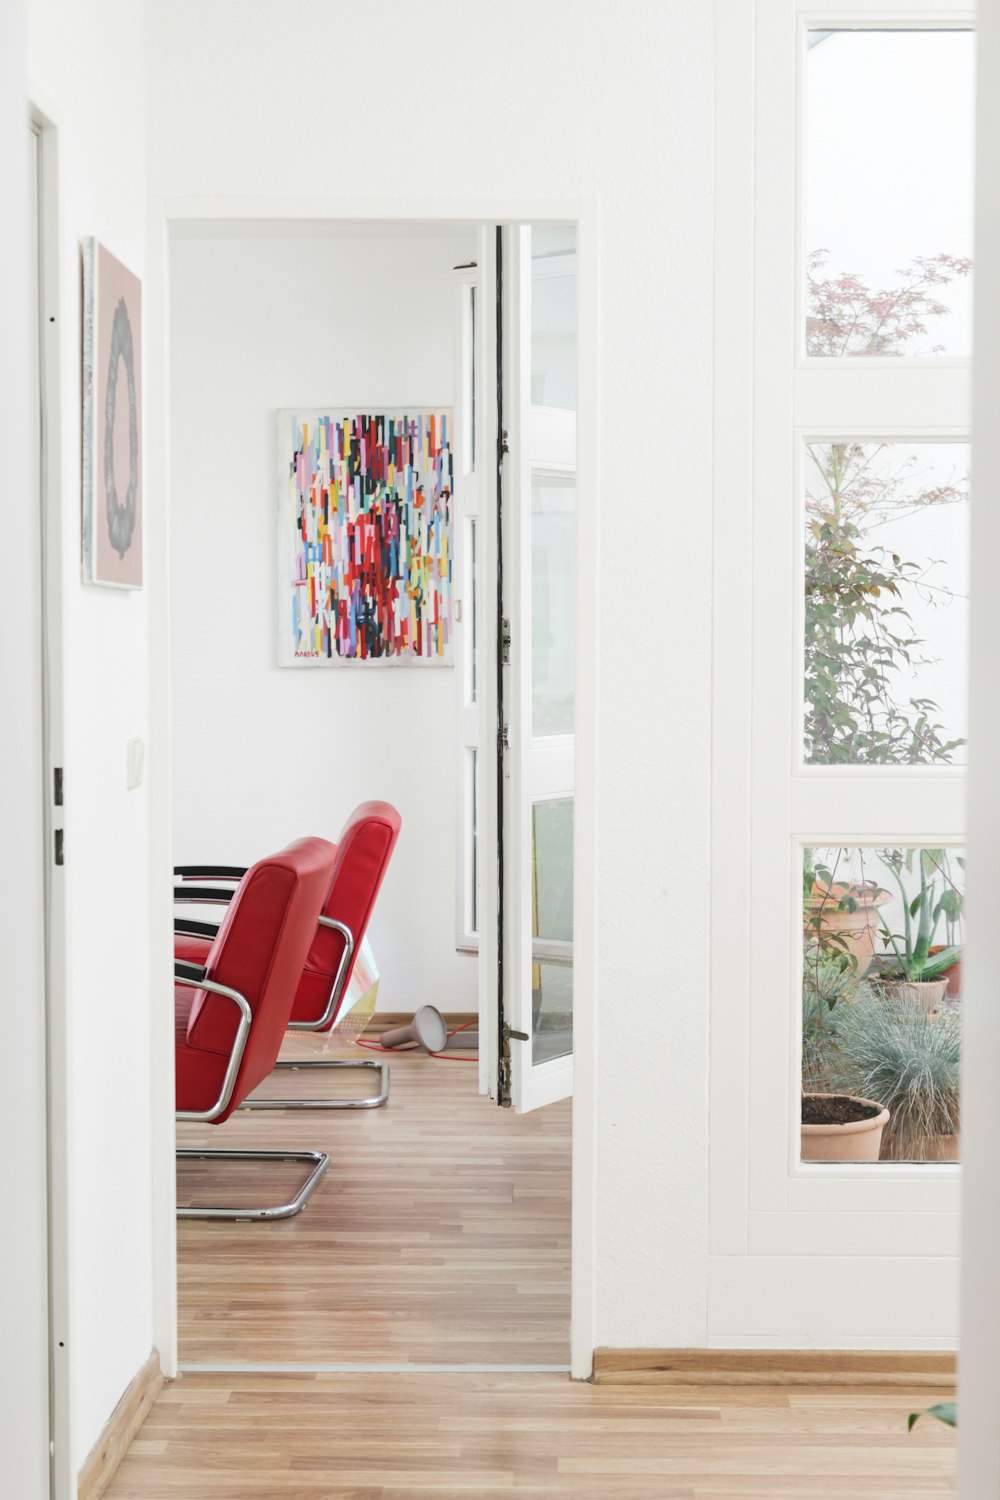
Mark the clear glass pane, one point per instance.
(552, 1009)
(552, 928)
(886, 603)
(889, 192)
(474, 861)
(474, 579)
(473, 345)
(553, 605)
(883, 932)
(552, 869)
(553, 315)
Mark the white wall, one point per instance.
(979, 1370)
(24, 1417)
(85, 66)
(521, 99)
(263, 754)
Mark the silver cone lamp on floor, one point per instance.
(427, 1029)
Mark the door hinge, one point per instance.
(508, 1035)
(505, 642)
(57, 785)
(504, 1099)
(505, 736)
(59, 855)
(504, 444)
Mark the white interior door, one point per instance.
(539, 526)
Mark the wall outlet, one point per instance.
(135, 759)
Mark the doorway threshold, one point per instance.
(360, 1368)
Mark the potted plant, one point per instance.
(841, 1127)
(909, 972)
(836, 1126)
(841, 917)
(907, 1060)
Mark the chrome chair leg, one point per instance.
(372, 1101)
(320, 1162)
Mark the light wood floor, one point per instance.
(440, 1233)
(423, 1437)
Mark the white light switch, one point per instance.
(136, 755)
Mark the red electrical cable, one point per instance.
(443, 1056)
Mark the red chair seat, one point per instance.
(259, 952)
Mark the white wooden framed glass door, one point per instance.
(472, 484)
(841, 645)
(540, 608)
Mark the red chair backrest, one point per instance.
(363, 853)
(260, 950)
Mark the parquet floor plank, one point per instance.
(525, 1437)
(440, 1233)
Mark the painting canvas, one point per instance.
(365, 515)
(112, 420)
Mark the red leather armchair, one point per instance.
(231, 1008)
(362, 857)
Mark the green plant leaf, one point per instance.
(944, 1411)
(935, 966)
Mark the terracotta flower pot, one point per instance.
(858, 1140)
(953, 975)
(921, 994)
(931, 1148)
(858, 929)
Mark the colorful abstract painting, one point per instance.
(365, 538)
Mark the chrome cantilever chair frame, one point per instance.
(219, 896)
(193, 974)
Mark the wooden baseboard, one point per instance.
(829, 1367)
(385, 1020)
(121, 1427)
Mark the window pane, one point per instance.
(552, 928)
(553, 605)
(886, 603)
(553, 315)
(474, 578)
(881, 991)
(552, 869)
(472, 376)
(474, 861)
(889, 192)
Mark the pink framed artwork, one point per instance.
(112, 420)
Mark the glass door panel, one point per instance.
(553, 316)
(889, 192)
(540, 589)
(886, 603)
(883, 929)
(552, 928)
(553, 604)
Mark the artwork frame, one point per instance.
(112, 488)
(365, 536)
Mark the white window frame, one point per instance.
(771, 1216)
(469, 490)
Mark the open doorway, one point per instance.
(442, 1232)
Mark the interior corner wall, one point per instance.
(261, 753)
(85, 68)
(573, 97)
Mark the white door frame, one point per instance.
(978, 1373)
(164, 213)
(770, 1215)
(61, 1277)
